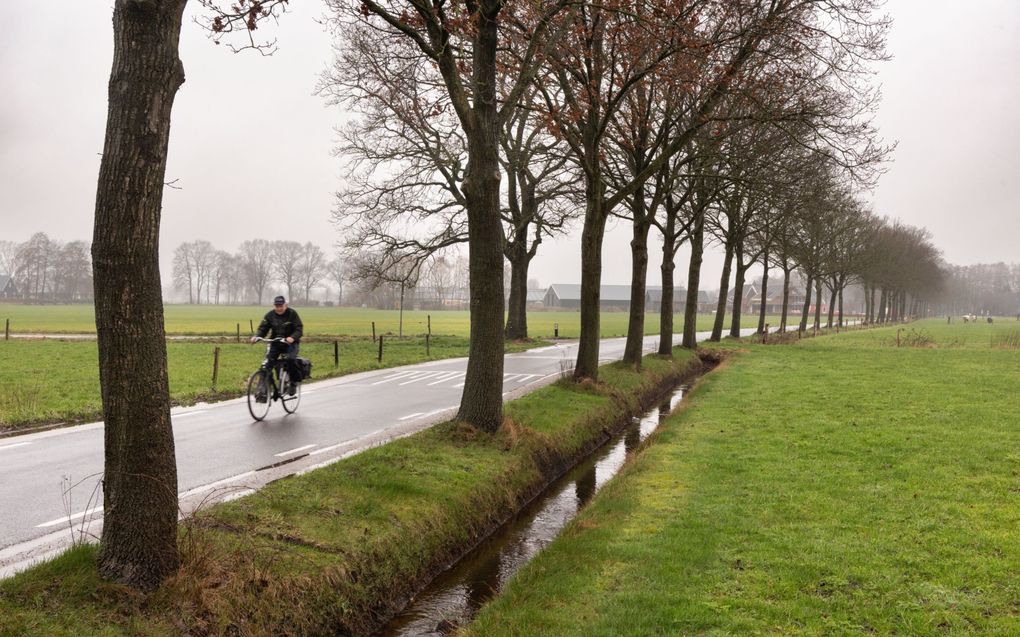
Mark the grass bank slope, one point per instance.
(841, 486)
(337, 550)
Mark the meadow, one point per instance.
(838, 486)
(225, 320)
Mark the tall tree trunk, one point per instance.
(764, 295)
(883, 299)
(638, 277)
(587, 365)
(481, 404)
(874, 307)
(832, 304)
(139, 538)
(738, 295)
(517, 307)
(690, 340)
(666, 269)
(841, 287)
(807, 304)
(724, 290)
(818, 302)
(786, 299)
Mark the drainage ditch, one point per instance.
(453, 598)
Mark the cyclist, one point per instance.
(284, 323)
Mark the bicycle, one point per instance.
(269, 383)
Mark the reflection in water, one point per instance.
(454, 597)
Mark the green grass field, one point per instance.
(840, 486)
(223, 320)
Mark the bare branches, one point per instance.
(241, 16)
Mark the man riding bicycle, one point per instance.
(284, 323)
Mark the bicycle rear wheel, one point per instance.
(259, 390)
(290, 403)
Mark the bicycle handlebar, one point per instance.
(278, 339)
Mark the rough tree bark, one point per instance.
(139, 539)
(482, 403)
(690, 340)
(764, 294)
(666, 269)
(724, 290)
(639, 274)
(786, 300)
(807, 304)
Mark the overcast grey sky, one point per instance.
(250, 144)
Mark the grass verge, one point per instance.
(842, 486)
(338, 550)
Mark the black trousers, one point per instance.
(291, 352)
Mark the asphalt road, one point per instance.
(49, 481)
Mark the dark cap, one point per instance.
(279, 300)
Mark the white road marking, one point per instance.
(414, 415)
(218, 483)
(446, 376)
(290, 451)
(189, 413)
(68, 518)
(393, 377)
(418, 376)
(19, 444)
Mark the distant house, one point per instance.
(707, 301)
(653, 299)
(7, 288)
(567, 296)
(536, 298)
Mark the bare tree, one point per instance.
(462, 41)
(257, 261)
(311, 267)
(286, 262)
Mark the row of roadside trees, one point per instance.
(485, 123)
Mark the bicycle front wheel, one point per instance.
(259, 388)
(290, 403)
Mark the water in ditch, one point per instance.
(453, 598)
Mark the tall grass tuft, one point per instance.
(1007, 340)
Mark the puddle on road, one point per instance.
(453, 598)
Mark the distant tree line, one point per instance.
(984, 288)
(44, 270)
(262, 268)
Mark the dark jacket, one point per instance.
(281, 325)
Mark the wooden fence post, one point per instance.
(373, 331)
(7, 330)
(380, 346)
(428, 350)
(215, 367)
(238, 332)
(336, 354)
(430, 325)
(251, 326)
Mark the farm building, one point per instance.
(7, 288)
(612, 297)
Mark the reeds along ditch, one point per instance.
(1007, 340)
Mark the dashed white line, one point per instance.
(68, 518)
(410, 416)
(414, 378)
(446, 376)
(290, 451)
(189, 413)
(19, 444)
